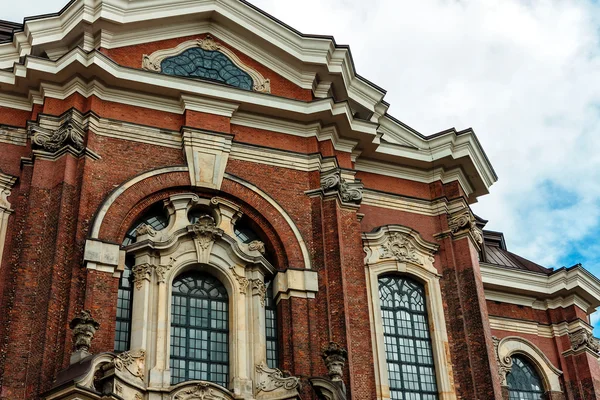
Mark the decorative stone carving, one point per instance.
(69, 133)
(583, 338)
(200, 391)
(145, 229)
(261, 289)
(464, 221)
(349, 192)
(257, 245)
(153, 61)
(335, 357)
(504, 363)
(141, 273)
(242, 281)
(84, 327)
(4, 193)
(132, 362)
(205, 231)
(398, 246)
(162, 269)
(272, 379)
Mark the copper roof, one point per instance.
(495, 252)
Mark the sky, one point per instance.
(522, 73)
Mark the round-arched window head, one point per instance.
(155, 217)
(524, 382)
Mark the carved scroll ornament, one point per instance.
(465, 221)
(349, 192)
(271, 379)
(205, 231)
(583, 338)
(398, 246)
(70, 133)
(200, 391)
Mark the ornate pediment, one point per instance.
(272, 383)
(207, 59)
(398, 243)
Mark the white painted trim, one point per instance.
(535, 303)
(415, 174)
(576, 281)
(15, 136)
(296, 129)
(535, 328)
(412, 205)
(284, 214)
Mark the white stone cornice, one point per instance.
(561, 283)
(535, 328)
(410, 204)
(415, 174)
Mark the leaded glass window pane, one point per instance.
(155, 217)
(271, 328)
(199, 329)
(124, 303)
(523, 381)
(409, 356)
(207, 64)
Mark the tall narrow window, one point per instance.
(271, 327)
(409, 356)
(524, 383)
(156, 218)
(124, 299)
(199, 329)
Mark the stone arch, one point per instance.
(126, 202)
(511, 345)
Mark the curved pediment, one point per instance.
(206, 59)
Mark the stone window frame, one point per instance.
(162, 256)
(396, 249)
(509, 346)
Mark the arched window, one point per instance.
(523, 381)
(199, 329)
(408, 349)
(156, 218)
(271, 328)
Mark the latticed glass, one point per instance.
(199, 329)
(124, 303)
(207, 64)
(271, 328)
(523, 381)
(409, 355)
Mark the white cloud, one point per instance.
(523, 74)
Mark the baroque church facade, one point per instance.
(198, 202)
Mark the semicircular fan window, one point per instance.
(207, 64)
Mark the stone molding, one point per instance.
(583, 339)
(6, 184)
(349, 191)
(508, 346)
(206, 154)
(398, 243)
(201, 391)
(52, 136)
(209, 244)
(463, 223)
(273, 384)
(397, 249)
(153, 61)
